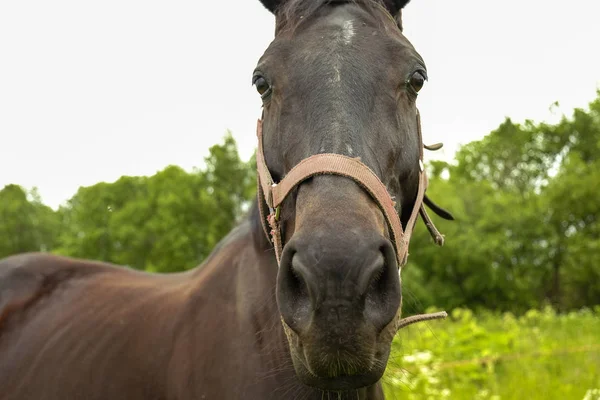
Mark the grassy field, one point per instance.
(540, 355)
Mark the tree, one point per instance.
(231, 183)
(25, 223)
(167, 222)
(525, 198)
(573, 210)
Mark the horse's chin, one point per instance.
(341, 382)
(338, 369)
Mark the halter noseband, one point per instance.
(336, 164)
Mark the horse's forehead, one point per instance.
(348, 29)
(362, 39)
(340, 26)
(338, 41)
(343, 21)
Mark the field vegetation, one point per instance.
(540, 355)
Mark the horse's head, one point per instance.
(340, 78)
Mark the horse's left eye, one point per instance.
(417, 80)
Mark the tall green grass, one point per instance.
(540, 355)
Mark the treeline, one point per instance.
(164, 223)
(525, 199)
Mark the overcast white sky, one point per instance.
(90, 91)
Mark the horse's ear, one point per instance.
(395, 8)
(272, 5)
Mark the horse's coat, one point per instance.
(339, 77)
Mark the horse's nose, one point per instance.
(338, 279)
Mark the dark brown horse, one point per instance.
(313, 314)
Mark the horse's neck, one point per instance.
(241, 275)
(235, 291)
(230, 325)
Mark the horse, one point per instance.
(302, 298)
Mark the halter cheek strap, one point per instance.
(336, 164)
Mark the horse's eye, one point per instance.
(417, 80)
(262, 86)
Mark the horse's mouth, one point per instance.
(340, 381)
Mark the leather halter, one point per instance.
(274, 193)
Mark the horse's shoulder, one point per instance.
(26, 277)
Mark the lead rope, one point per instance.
(413, 319)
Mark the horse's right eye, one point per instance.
(262, 86)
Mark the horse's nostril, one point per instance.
(371, 274)
(294, 294)
(383, 293)
(300, 274)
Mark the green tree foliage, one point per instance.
(526, 202)
(231, 184)
(25, 223)
(573, 210)
(167, 222)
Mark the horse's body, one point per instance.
(308, 315)
(76, 329)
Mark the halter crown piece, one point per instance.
(274, 193)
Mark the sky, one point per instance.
(91, 91)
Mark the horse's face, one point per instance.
(340, 78)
